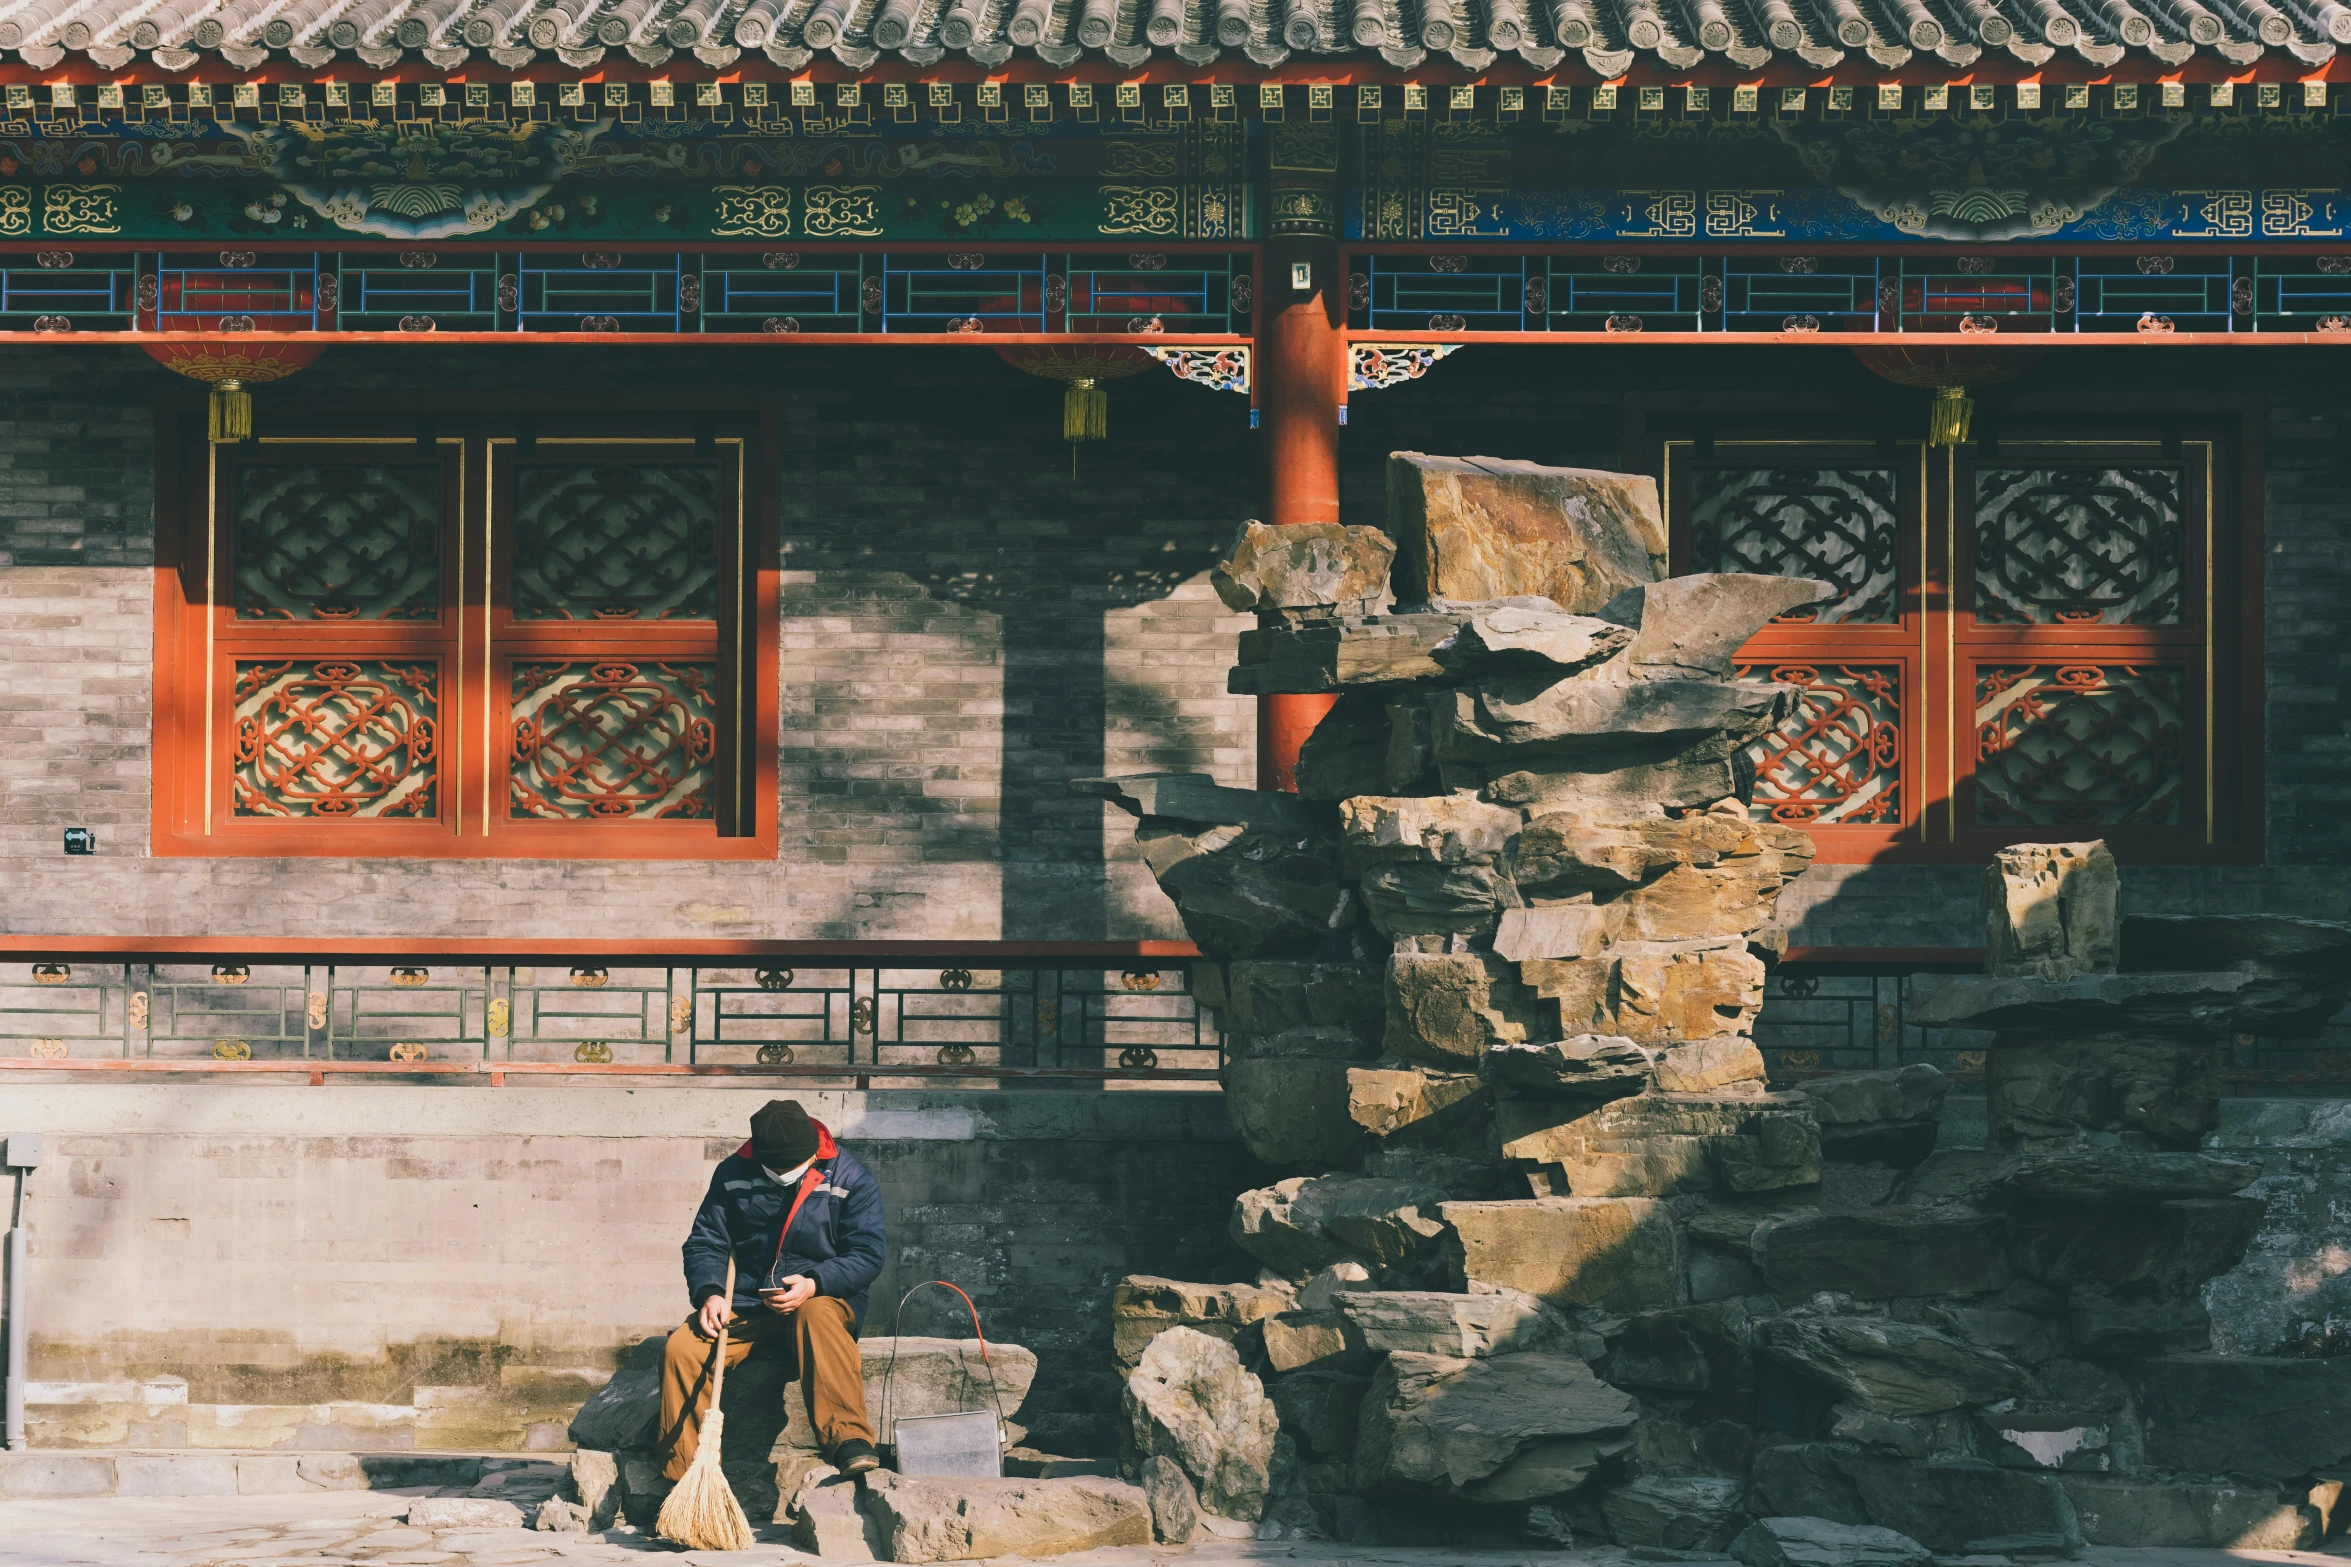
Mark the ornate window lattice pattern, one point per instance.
(1838, 758)
(349, 738)
(2079, 546)
(2079, 745)
(1842, 525)
(616, 541)
(604, 740)
(316, 542)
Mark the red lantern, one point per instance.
(1085, 407)
(228, 367)
(1948, 373)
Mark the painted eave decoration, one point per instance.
(1610, 37)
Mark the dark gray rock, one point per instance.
(2151, 1249)
(2212, 1004)
(1517, 1428)
(1676, 1512)
(1333, 655)
(1656, 1145)
(1267, 997)
(1896, 1368)
(1304, 1224)
(2156, 943)
(2269, 1418)
(2117, 1175)
(2183, 1513)
(1293, 1112)
(1816, 1542)
(1506, 714)
(1438, 1322)
(1437, 899)
(2042, 1092)
(1321, 1409)
(1885, 1117)
(625, 1410)
(2108, 1323)
(1944, 1506)
(1883, 1253)
(1175, 1506)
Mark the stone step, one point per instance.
(181, 1472)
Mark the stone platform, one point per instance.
(356, 1527)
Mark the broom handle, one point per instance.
(718, 1377)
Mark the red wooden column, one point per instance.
(1302, 371)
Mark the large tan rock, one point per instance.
(1309, 567)
(1529, 634)
(1449, 1008)
(1434, 1322)
(1689, 904)
(1557, 930)
(1706, 1066)
(1621, 1253)
(1511, 1429)
(1608, 849)
(933, 1519)
(1448, 1110)
(2052, 911)
(1294, 1111)
(1649, 997)
(1659, 1145)
(1491, 528)
(1190, 1401)
(1143, 1306)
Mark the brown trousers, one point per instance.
(824, 1357)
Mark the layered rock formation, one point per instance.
(1557, 1262)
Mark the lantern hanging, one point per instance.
(1082, 368)
(1949, 373)
(229, 368)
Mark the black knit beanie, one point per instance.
(782, 1136)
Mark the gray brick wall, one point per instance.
(966, 626)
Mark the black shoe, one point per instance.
(856, 1457)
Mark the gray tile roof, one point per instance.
(1610, 36)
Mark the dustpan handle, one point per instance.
(897, 1326)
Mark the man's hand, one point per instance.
(713, 1316)
(797, 1291)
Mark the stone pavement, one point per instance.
(348, 1528)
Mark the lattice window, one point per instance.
(616, 541)
(1841, 525)
(611, 740)
(456, 641)
(2030, 637)
(320, 542)
(2078, 545)
(335, 737)
(2079, 745)
(1838, 758)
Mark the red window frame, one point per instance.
(1940, 646)
(476, 639)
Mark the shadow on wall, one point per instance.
(1013, 536)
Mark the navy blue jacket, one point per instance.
(837, 1239)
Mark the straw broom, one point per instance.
(702, 1513)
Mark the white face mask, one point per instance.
(789, 1177)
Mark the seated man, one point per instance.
(800, 1279)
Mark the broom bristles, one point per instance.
(702, 1513)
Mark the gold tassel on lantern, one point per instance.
(1085, 411)
(232, 412)
(1948, 416)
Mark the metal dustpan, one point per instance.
(969, 1443)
